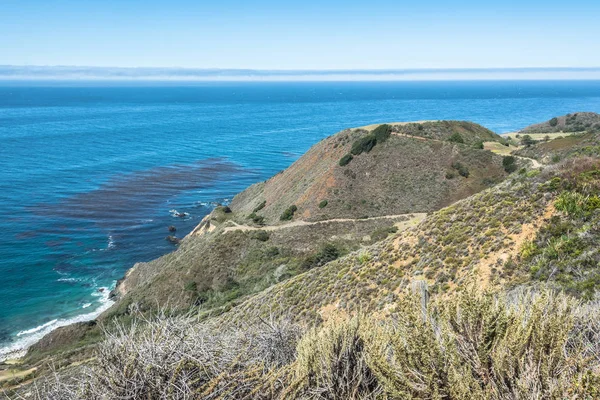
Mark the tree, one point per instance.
(553, 122)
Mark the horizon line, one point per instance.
(66, 72)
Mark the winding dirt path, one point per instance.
(413, 219)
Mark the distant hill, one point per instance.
(576, 122)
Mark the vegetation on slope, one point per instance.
(473, 344)
(576, 122)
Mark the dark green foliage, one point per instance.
(456, 138)
(382, 133)
(261, 235)
(257, 219)
(553, 122)
(223, 209)
(327, 253)
(450, 175)
(364, 145)
(383, 232)
(508, 162)
(288, 214)
(345, 160)
(462, 170)
(527, 140)
(260, 206)
(478, 145)
(323, 204)
(191, 286)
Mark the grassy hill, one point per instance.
(576, 122)
(414, 167)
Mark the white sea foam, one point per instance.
(86, 305)
(67, 280)
(111, 242)
(37, 328)
(30, 336)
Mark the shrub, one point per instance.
(456, 138)
(288, 214)
(508, 162)
(527, 140)
(462, 170)
(553, 122)
(257, 219)
(323, 204)
(261, 235)
(478, 145)
(364, 145)
(191, 286)
(382, 133)
(383, 232)
(345, 160)
(327, 253)
(260, 207)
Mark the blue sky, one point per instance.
(309, 34)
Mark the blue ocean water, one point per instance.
(92, 174)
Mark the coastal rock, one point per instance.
(172, 239)
(172, 229)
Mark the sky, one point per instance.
(300, 35)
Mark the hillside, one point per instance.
(459, 303)
(576, 122)
(413, 167)
(408, 170)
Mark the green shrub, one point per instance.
(456, 138)
(553, 122)
(261, 235)
(345, 160)
(288, 214)
(478, 145)
(257, 219)
(508, 162)
(364, 145)
(527, 140)
(382, 133)
(383, 232)
(327, 253)
(323, 204)
(260, 207)
(191, 286)
(462, 170)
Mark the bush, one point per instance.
(383, 232)
(527, 140)
(323, 204)
(364, 145)
(508, 162)
(462, 170)
(345, 160)
(288, 214)
(260, 207)
(327, 253)
(382, 133)
(553, 122)
(257, 219)
(478, 145)
(456, 138)
(261, 235)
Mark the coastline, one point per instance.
(27, 338)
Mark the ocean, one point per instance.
(92, 174)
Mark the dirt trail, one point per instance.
(413, 218)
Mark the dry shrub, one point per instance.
(472, 344)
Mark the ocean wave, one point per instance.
(86, 305)
(37, 328)
(176, 214)
(67, 280)
(31, 336)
